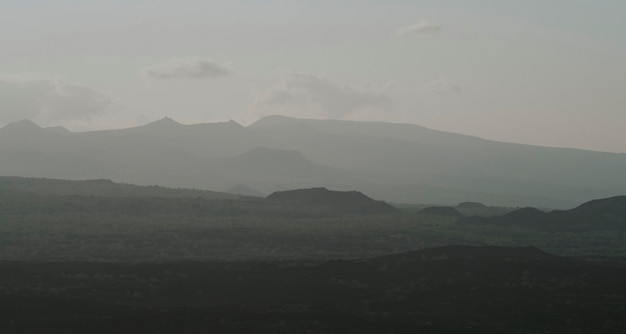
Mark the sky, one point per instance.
(541, 72)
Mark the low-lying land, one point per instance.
(74, 221)
(454, 289)
(100, 257)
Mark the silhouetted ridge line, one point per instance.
(600, 214)
(337, 201)
(99, 187)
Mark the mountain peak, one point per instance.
(24, 126)
(166, 121)
(25, 123)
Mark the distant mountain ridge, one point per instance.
(393, 162)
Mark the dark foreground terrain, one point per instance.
(453, 289)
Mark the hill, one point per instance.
(601, 214)
(346, 202)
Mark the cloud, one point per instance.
(48, 101)
(305, 95)
(194, 68)
(421, 27)
(444, 86)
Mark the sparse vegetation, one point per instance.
(94, 263)
(133, 228)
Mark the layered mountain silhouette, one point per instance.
(392, 162)
(601, 214)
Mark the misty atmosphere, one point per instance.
(312, 167)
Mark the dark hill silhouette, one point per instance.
(446, 211)
(99, 187)
(469, 209)
(470, 206)
(601, 214)
(613, 206)
(345, 202)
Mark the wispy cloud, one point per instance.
(192, 68)
(49, 101)
(444, 86)
(421, 27)
(306, 95)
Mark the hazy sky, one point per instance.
(545, 72)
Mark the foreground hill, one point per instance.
(53, 197)
(456, 289)
(393, 162)
(347, 202)
(601, 214)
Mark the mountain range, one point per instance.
(401, 163)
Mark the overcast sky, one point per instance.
(545, 72)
